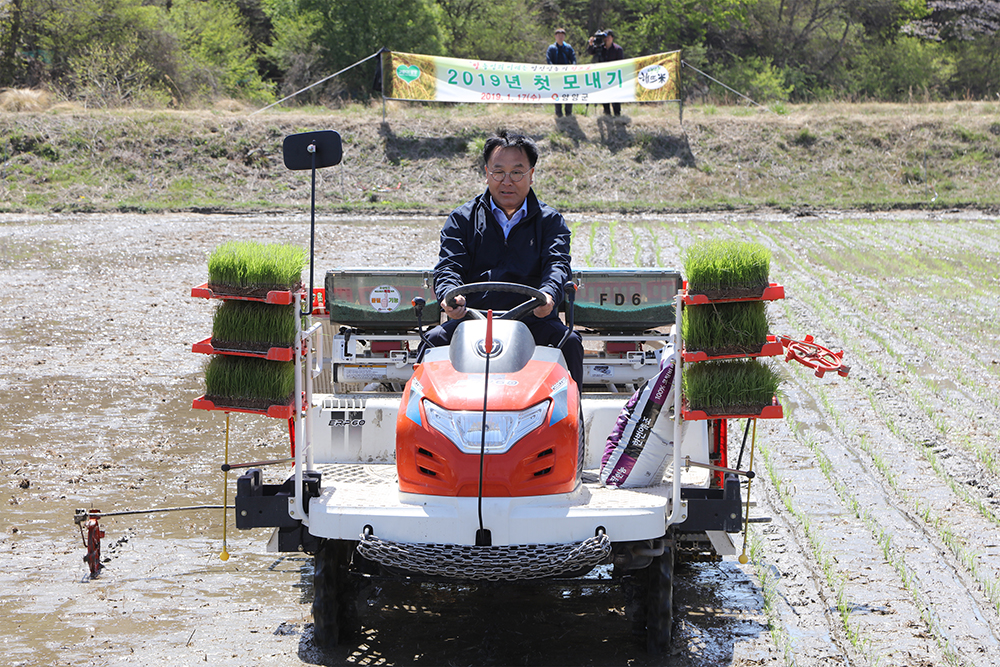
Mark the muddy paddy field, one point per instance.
(883, 487)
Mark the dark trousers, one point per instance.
(545, 332)
(617, 106)
(569, 110)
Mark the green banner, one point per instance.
(410, 76)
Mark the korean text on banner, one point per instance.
(409, 76)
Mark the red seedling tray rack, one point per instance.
(272, 354)
(276, 411)
(773, 411)
(772, 292)
(771, 348)
(275, 297)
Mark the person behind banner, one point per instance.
(602, 44)
(506, 235)
(561, 53)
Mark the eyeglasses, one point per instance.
(515, 176)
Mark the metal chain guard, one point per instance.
(494, 563)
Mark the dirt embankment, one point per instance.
(883, 487)
(422, 159)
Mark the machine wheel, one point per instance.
(335, 611)
(633, 586)
(660, 603)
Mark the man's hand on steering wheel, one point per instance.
(543, 311)
(539, 302)
(457, 311)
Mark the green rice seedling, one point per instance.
(612, 245)
(249, 382)
(253, 326)
(719, 267)
(772, 596)
(590, 250)
(726, 328)
(247, 267)
(730, 387)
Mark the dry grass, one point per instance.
(425, 158)
(13, 100)
(230, 105)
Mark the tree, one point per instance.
(654, 26)
(882, 20)
(962, 20)
(111, 74)
(969, 32)
(10, 43)
(63, 29)
(217, 55)
(56, 35)
(504, 30)
(333, 34)
(813, 41)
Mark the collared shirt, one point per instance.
(505, 223)
(475, 250)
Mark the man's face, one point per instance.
(609, 40)
(560, 37)
(507, 194)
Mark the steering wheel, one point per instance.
(537, 297)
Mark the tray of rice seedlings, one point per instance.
(730, 388)
(728, 330)
(245, 384)
(268, 272)
(253, 329)
(720, 270)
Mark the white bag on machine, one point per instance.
(641, 444)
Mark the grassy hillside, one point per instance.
(426, 158)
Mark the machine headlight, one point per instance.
(503, 429)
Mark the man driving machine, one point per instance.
(507, 235)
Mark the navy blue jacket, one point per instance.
(560, 55)
(606, 55)
(473, 249)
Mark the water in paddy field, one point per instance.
(98, 379)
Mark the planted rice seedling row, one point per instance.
(909, 579)
(768, 578)
(612, 243)
(833, 578)
(959, 549)
(934, 356)
(963, 554)
(588, 259)
(637, 244)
